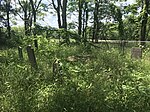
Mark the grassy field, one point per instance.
(91, 79)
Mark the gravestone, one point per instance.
(31, 56)
(57, 71)
(20, 53)
(136, 53)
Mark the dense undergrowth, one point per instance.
(98, 80)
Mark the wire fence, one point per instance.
(124, 46)
(123, 43)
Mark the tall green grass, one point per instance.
(104, 82)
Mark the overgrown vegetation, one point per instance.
(79, 67)
(92, 80)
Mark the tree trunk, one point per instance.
(85, 22)
(30, 22)
(95, 29)
(120, 24)
(144, 22)
(59, 18)
(64, 15)
(34, 22)
(25, 22)
(25, 18)
(80, 17)
(34, 30)
(34, 10)
(57, 8)
(61, 9)
(8, 18)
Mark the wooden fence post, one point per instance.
(31, 56)
(20, 53)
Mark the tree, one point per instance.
(144, 20)
(102, 12)
(131, 21)
(5, 9)
(64, 14)
(8, 17)
(80, 6)
(61, 10)
(85, 20)
(2, 23)
(25, 13)
(84, 8)
(96, 22)
(34, 13)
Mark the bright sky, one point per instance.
(51, 20)
(131, 1)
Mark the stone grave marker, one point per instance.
(136, 53)
(20, 53)
(31, 56)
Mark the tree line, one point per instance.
(96, 19)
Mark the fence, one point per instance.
(133, 47)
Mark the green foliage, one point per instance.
(2, 37)
(98, 80)
(17, 34)
(132, 8)
(132, 27)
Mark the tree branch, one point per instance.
(54, 5)
(21, 5)
(19, 15)
(38, 5)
